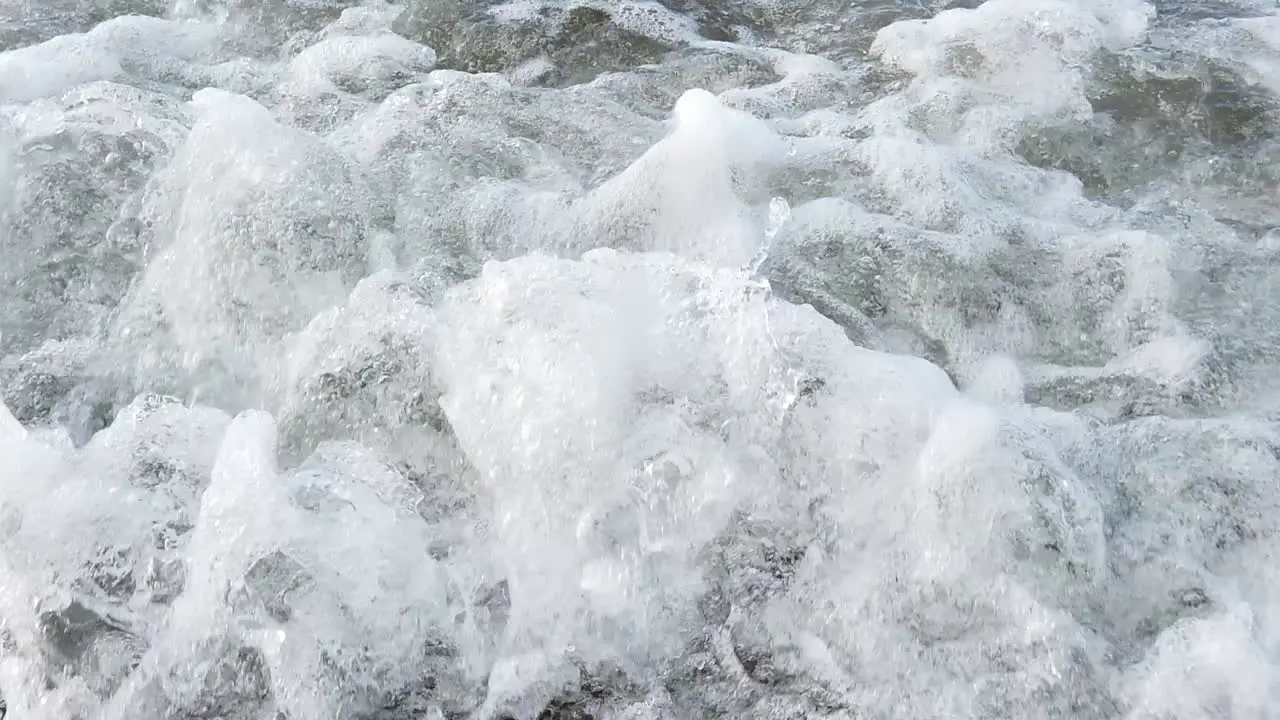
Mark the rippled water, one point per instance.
(644, 360)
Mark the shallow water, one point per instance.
(643, 360)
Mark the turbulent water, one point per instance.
(643, 360)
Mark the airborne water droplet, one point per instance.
(779, 213)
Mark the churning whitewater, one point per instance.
(639, 359)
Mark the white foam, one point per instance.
(999, 379)
(1007, 61)
(684, 194)
(103, 53)
(10, 428)
(253, 217)
(366, 62)
(573, 428)
(642, 17)
(1198, 664)
(566, 355)
(369, 19)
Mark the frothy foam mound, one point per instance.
(115, 50)
(689, 193)
(686, 359)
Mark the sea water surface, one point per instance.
(643, 360)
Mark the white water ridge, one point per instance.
(645, 360)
